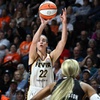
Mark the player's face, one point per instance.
(42, 43)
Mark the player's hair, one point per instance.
(70, 69)
(45, 37)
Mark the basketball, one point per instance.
(47, 10)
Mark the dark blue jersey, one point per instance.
(77, 92)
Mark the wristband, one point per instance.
(95, 97)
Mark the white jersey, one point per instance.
(42, 72)
(41, 75)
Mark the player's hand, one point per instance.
(43, 21)
(64, 16)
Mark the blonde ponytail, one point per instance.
(70, 69)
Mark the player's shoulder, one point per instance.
(85, 86)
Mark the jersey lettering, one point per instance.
(39, 64)
(43, 73)
(73, 96)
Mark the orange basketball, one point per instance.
(47, 10)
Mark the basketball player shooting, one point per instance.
(41, 63)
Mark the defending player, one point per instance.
(68, 88)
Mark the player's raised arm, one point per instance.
(60, 46)
(36, 37)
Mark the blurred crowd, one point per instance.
(19, 20)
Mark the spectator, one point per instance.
(98, 76)
(13, 3)
(82, 47)
(54, 27)
(85, 76)
(92, 44)
(10, 10)
(97, 39)
(18, 77)
(82, 11)
(2, 6)
(20, 94)
(34, 5)
(97, 30)
(9, 35)
(95, 85)
(94, 13)
(4, 44)
(98, 47)
(79, 2)
(24, 50)
(16, 41)
(3, 97)
(34, 27)
(70, 26)
(12, 58)
(19, 17)
(57, 70)
(60, 5)
(29, 17)
(20, 7)
(23, 29)
(83, 37)
(24, 26)
(37, 21)
(5, 81)
(13, 26)
(4, 18)
(91, 53)
(22, 69)
(71, 15)
(11, 93)
(77, 54)
(88, 63)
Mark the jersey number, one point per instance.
(43, 73)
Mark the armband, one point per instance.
(95, 97)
